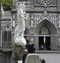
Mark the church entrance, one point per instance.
(44, 38)
(44, 43)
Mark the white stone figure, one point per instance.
(20, 17)
(19, 30)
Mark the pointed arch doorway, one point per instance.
(45, 33)
(44, 39)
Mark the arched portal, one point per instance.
(45, 35)
(44, 39)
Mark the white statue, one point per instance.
(19, 40)
(19, 30)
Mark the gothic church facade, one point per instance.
(42, 26)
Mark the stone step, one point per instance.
(47, 52)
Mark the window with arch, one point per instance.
(6, 38)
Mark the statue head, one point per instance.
(21, 6)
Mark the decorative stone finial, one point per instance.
(45, 14)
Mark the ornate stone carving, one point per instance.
(45, 1)
(19, 30)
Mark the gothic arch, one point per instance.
(52, 29)
(46, 18)
(50, 25)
